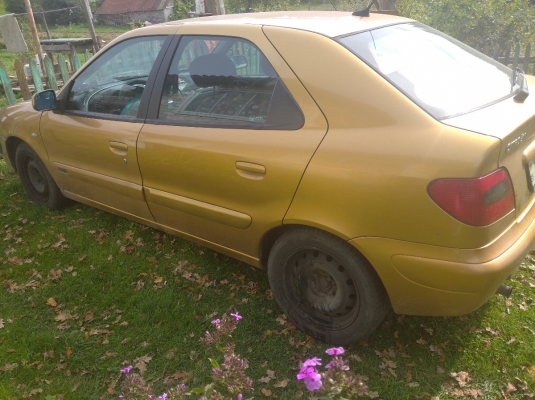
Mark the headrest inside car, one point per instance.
(212, 70)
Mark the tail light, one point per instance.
(477, 201)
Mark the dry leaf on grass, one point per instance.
(141, 363)
(179, 375)
(282, 384)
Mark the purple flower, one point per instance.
(239, 397)
(162, 397)
(216, 321)
(311, 378)
(330, 365)
(236, 316)
(335, 351)
(312, 362)
(126, 370)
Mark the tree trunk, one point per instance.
(387, 5)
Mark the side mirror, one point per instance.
(45, 100)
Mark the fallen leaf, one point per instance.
(108, 354)
(282, 384)
(51, 302)
(89, 316)
(68, 352)
(461, 377)
(510, 388)
(9, 367)
(170, 354)
(141, 363)
(1, 323)
(408, 375)
(266, 392)
(179, 375)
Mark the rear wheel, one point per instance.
(326, 287)
(36, 180)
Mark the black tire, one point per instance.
(36, 180)
(326, 287)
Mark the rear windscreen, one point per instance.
(442, 75)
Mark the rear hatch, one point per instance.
(514, 124)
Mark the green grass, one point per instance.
(127, 292)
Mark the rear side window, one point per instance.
(225, 82)
(440, 74)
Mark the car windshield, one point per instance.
(442, 75)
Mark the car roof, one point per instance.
(327, 23)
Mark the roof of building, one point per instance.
(122, 6)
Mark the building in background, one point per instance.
(119, 12)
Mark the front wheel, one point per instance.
(326, 287)
(36, 180)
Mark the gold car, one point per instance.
(367, 162)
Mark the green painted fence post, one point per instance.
(51, 75)
(8, 90)
(87, 55)
(63, 68)
(76, 61)
(38, 83)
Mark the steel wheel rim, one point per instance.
(36, 178)
(324, 287)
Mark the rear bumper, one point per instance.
(431, 280)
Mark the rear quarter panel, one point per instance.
(370, 175)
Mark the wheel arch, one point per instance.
(12, 143)
(271, 236)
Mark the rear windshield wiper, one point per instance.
(523, 92)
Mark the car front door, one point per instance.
(92, 142)
(228, 140)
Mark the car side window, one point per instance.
(113, 83)
(221, 81)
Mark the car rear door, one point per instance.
(227, 141)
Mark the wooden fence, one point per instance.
(526, 62)
(51, 80)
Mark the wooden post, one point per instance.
(44, 23)
(89, 17)
(527, 53)
(23, 82)
(215, 7)
(34, 33)
(387, 5)
(515, 58)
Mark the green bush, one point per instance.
(476, 22)
(181, 9)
